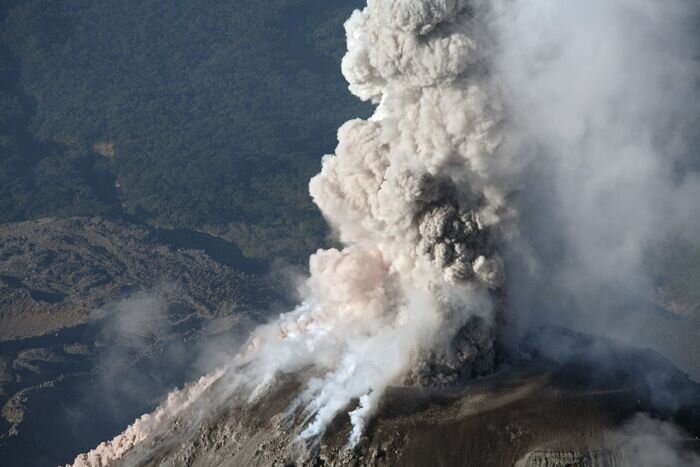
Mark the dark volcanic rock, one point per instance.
(55, 273)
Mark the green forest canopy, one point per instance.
(208, 115)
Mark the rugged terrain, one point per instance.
(57, 273)
(575, 407)
(102, 317)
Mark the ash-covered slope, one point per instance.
(579, 407)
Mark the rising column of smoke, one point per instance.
(411, 193)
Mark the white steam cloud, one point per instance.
(602, 103)
(471, 96)
(653, 443)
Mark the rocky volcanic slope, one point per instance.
(541, 411)
(100, 318)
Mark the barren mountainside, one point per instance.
(542, 410)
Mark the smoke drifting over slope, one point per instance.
(538, 129)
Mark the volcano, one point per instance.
(579, 406)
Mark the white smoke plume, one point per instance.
(653, 443)
(602, 104)
(468, 95)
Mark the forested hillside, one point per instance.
(208, 115)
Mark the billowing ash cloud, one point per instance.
(485, 113)
(410, 194)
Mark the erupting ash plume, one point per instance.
(420, 195)
(409, 192)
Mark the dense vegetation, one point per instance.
(40, 179)
(207, 115)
